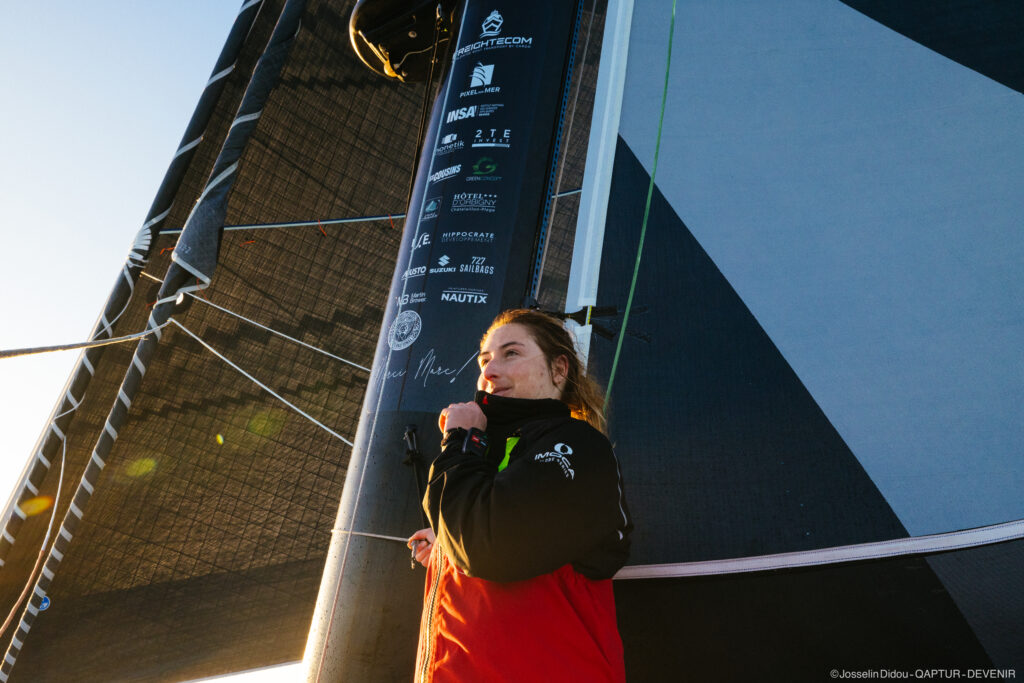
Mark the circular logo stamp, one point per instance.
(404, 330)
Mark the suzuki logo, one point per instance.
(443, 261)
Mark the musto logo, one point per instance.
(459, 295)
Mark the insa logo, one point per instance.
(461, 113)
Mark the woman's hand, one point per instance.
(421, 543)
(465, 415)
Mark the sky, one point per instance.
(94, 98)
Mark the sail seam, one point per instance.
(914, 545)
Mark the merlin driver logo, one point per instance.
(491, 25)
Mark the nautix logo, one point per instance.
(460, 296)
(445, 173)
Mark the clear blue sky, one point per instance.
(95, 98)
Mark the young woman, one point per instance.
(526, 503)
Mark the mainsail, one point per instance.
(816, 400)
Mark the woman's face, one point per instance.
(512, 365)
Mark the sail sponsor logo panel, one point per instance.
(474, 202)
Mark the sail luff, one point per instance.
(597, 175)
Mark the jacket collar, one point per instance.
(505, 414)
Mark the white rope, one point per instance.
(262, 385)
(303, 224)
(11, 353)
(403, 541)
(280, 334)
(915, 545)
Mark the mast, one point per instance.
(475, 220)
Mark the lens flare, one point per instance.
(34, 506)
(266, 423)
(140, 467)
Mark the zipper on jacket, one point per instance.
(428, 627)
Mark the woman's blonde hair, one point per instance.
(581, 393)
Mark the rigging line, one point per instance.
(13, 353)
(42, 548)
(403, 541)
(280, 334)
(914, 545)
(299, 224)
(647, 212)
(262, 385)
(568, 138)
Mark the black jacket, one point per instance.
(559, 500)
